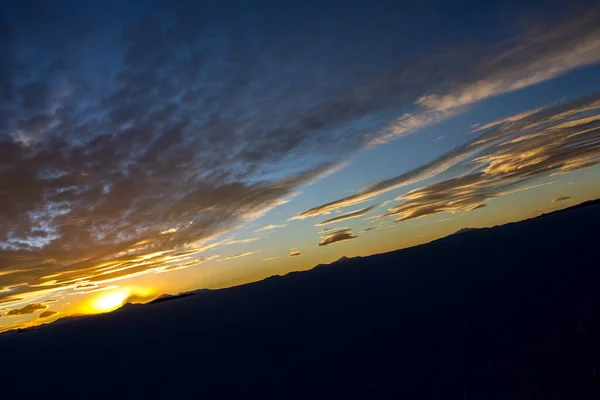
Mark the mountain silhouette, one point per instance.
(464, 230)
(509, 312)
(169, 297)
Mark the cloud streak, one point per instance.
(350, 215)
(536, 147)
(47, 314)
(234, 256)
(336, 237)
(548, 140)
(270, 227)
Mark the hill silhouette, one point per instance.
(464, 230)
(504, 312)
(169, 297)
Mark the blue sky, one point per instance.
(166, 146)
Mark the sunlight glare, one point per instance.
(109, 301)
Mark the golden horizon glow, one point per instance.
(110, 301)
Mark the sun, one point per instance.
(109, 301)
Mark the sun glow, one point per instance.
(109, 301)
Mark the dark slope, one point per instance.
(170, 297)
(501, 313)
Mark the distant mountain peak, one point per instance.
(464, 230)
(341, 259)
(168, 297)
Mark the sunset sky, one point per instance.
(151, 147)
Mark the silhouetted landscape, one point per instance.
(495, 313)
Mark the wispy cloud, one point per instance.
(234, 256)
(576, 43)
(376, 227)
(270, 227)
(236, 241)
(350, 215)
(510, 154)
(271, 258)
(558, 199)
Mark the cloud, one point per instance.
(94, 290)
(237, 241)
(350, 215)
(85, 286)
(576, 43)
(510, 118)
(560, 198)
(414, 176)
(50, 301)
(47, 314)
(323, 230)
(502, 159)
(337, 236)
(270, 258)
(238, 255)
(294, 254)
(28, 309)
(270, 227)
(371, 228)
(374, 228)
(536, 147)
(110, 262)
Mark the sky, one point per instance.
(151, 147)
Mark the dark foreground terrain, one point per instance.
(502, 313)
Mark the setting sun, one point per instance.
(109, 301)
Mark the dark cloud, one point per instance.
(337, 236)
(28, 309)
(558, 199)
(47, 314)
(353, 214)
(294, 254)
